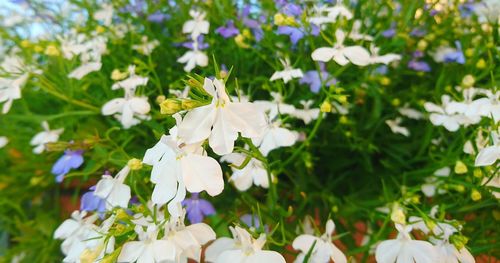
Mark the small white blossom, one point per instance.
(341, 54)
(46, 136)
(197, 26)
(113, 190)
(288, 73)
(253, 173)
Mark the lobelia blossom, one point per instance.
(355, 33)
(89, 50)
(3, 141)
(70, 160)
(130, 84)
(221, 120)
(46, 136)
(197, 26)
(178, 166)
(229, 30)
(386, 59)
(443, 116)
(98, 243)
(294, 33)
(10, 86)
(75, 231)
(489, 154)
(197, 208)
(148, 248)
(395, 127)
(313, 78)
(288, 73)
(129, 110)
(274, 136)
(113, 190)
(448, 54)
(92, 202)
(194, 57)
(253, 173)
(146, 48)
(105, 14)
(431, 185)
(158, 17)
(417, 65)
(306, 114)
(405, 250)
(324, 250)
(341, 54)
(84, 69)
(241, 248)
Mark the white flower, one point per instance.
(288, 73)
(46, 136)
(488, 11)
(446, 252)
(384, 59)
(146, 48)
(274, 136)
(113, 190)
(149, 249)
(242, 248)
(432, 183)
(493, 182)
(441, 115)
(405, 250)
(324, 250)
(490, 154)
(356, 35)
(221, 120)
(10, 86)
(319, 16)
(275, 107)
(84, 69)
(396, 128)
(253, 173)
(105, 14)
(129, 110)
(130, 84)
(193, 58)
(97, 244)
(3, 141)
(339, 10)
(198, 25)
(410, 113)
(307, 114)
(178, 166)
(75, 231)
(357, 55)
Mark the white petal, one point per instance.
(104, 187)
(197, 124)
(131, 251)
(119, 196)
(265, 256)
(488, 156)
(217, 247)
(387, 251)
(202, 173)
(323, 54)
(357, 55)
(140, 105)
(113, 106)
(231, 256)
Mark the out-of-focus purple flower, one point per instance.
(315, 30)
(291, 9)
(312, 78)
(418, 54)
(200, 41)
(135, 7)
(419, 66)
(467, 9)
(252, 221)
(91, 202)
(455, 56)
(158, 17)
(294, 33)
(381, 70)
(433, 12)
(70, 160)
(389, 32)
(418, 32)
(229, 30)
(197, 208)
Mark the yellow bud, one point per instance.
(415, 199)
(100, 29)
(246, 33)
(160, 99)
(385, 81)
(396, 102)
(481, 64)
(25, 43)
(468, 81)
(459, 188)
(486, 28)
(240, 41)
(475, 195)
(326, 106)
(398, 216)
(335, 209)
(52, 50)
(448, 89)
(342, 99)
(38, 48)
(343, 119)
(121, 214)
(279, 19)
(469, 52)
(478, 173)
(36, 180)
(290, 21)
(187, 104)
(134, 164)
(422, 45)
(116, 75)
(170, 106)
(460, 168)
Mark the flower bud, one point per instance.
(25, 43)
(170, 106)
(478, 173)
(469, 52)
(475, 195)
(398, 216)
(52, 50)
(458, 241)
(385, 81)
(134, 164)
(118, 75)
(326, 106)
(481, 64)
(460, 168)
(160, 99)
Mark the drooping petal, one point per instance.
(113, 106)
(323, 54)
(202, 173)
(197, 124)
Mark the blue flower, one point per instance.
(70, 160)
(295, 33)
(91, 202)
(197, 208)
(228, 31)
(455, 56)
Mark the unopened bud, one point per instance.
(134, 164)
(475, 195)
(170, 106)
(326, 106)
(460, 168)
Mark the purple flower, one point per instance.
(201, 44)
(389, 32)
(228, 31)
(70, 160)
(197, 208)
(91, 202)
(158, 17)
(290, 9)
(381, 70)
(417, 32)
(313, 80)
(294, 33)
(455, 56)
(419, 65)
(418, 54)
(252, 221)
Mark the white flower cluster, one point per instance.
(195, 28)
